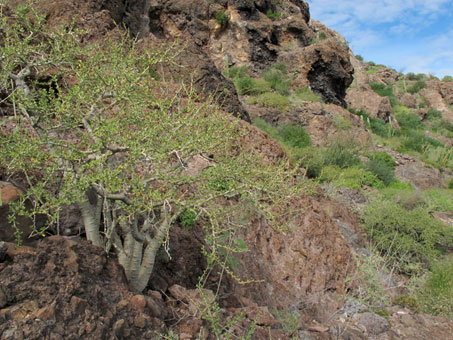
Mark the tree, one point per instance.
(91, 125)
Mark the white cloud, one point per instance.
(372, 11)
(400, 33)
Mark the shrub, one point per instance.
(447, 78)
(260, 86)
(380, 128)
(188, 218)
(264, 126)
(311, 159)
(433, 114)
(305, 94)
(222, 18)
(353, 177)
(436, 295)
(438, 156)
(409, 121)
(244, 85)
(417, 141)
(420, 84)
(385, 91)
(359, 57)
(293, 136)
(410, 239)
(341, 153)
(273, 15)
(400, 185)
(273, 100)
(381, 170)
(450, 184)
(277, 80)
(250, 86)
(385, 158)
(439, 199)
(418, 76)
(401, 109)
(237, 72)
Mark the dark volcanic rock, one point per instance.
(67, 290)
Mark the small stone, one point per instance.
(46, 313)
(140, 321)
(78, 306)
(138, 302)
(118, 327)
(374, 324)
(90, 327)
(122, 304)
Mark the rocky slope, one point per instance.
(65, 288)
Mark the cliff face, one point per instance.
(250, 36)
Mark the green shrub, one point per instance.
(237, 72)
(311, 159)
(416, 141)
(293, 136)
(244, 85)
(188, 218)
(259, 86)
(277, 80)
(305, 94)
(406, 301)
(353, 177)
(450, 184)
(442, 127)
(400, 185)
(385, 158)
(273, 100)
(264, 126)
(359, 57)
(380, 128)
(341, 153)
(409, 121)
(222, 18)
(381, 170)
(273, 15)
(401, 109)
(438, 156)
(436, 295)
(250, 86)
(385, 91)
(420, 84)
(447, 78)
(409, 239)
(439, 199)
(418, 76)
(433, 114)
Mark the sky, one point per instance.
(406, 35)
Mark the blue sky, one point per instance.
(407, 35)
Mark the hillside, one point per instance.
(216, 170)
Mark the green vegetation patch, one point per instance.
(272, 100)
(420, 84)
(305, 94)
(222, 18)
(410, 239)
(435, 296)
